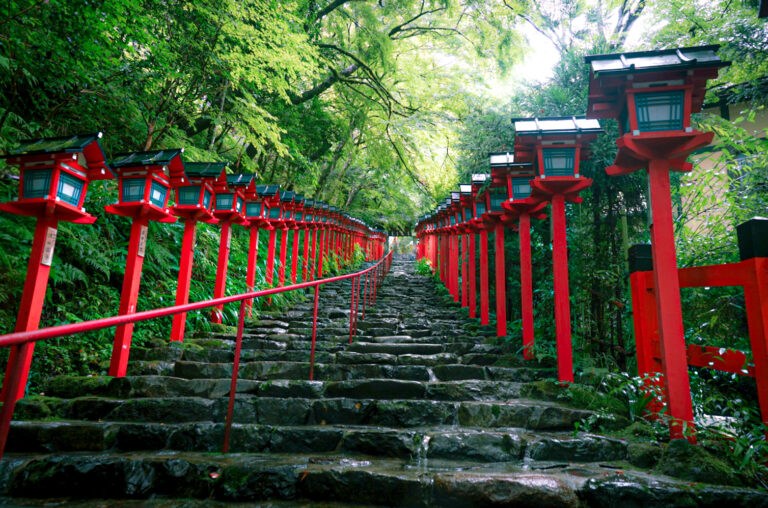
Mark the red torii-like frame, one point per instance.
(257, 214)
(556, 146)
(652, 94)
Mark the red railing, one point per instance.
(373, 276)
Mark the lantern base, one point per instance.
(42, 207)
(566, 186)
(229, 216)
(528, 206)
(636, 151)
(151, 212)
(194, 213)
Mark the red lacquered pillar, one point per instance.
(31, 305)
(562, 292)
(464, 281)
(131, 280)
(526, 285)
(484, 309)
(269, 277)
(250, 273)
(472, 275)
(671, 334)
(321, 249)
(295, 255)
(455, 268)
(305, 257)
(283, 255)
(225, 242)
(185, 278)
(501, 283)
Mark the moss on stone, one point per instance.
(683, 460)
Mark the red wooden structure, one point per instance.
(229, 210)
(518, 176)
(751, 273)
(652, 94)
(194, 203)
(468, 269)
(257, 215)
(145, 179)
(478, 181)
(53, 181)
(556, 146)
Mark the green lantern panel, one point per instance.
(36, 183)
(188, 195)
(660, 111)
(521, 187)
(497, 198)
(224, 201)
(253, 209)
(559, 161)
(70, 188)
(133, 190)
(480, 207)
(207, 199)
(274, 212)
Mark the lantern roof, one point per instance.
(165, 157)
(310, 203)
(465, 189)
(298, 199)
(501, 159)
(455, 196)
(267, 191)
(87, 144)
(656, 60)
(479, 178)
(241, 179)
(204, 169)
(556, 125)
(287, 196)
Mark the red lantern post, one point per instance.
(556, 146)
(478, 182)
(286, 225)
(298, 225)
(257, 215)
(652, 94)
(53, 181)
(145, 180)
(519, 205)
(230, 209)
(194, 203)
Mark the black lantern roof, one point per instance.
(287, 196)
(657, 60)
(310, 203)
(240, 180)
(149, 158)
(556, 125)
(299, 199)
(204, 169)
(267, 191)
(67, 144)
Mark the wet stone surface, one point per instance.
(422, 409)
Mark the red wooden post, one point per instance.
(185, 279)
(472, 276)
(313, 263)
(464, 277)
(562, 292)
(31, 304)
(669, 310)
(526, 285)
(270, 275)
(484, 307)
(314, 334)
(295, 255)
(321, 253)
(253, 257)
(233, 381)
(501, 283)
(305, 257)
(129, 296)
(220, 286)
(283, 255)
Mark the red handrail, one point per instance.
(381, 268)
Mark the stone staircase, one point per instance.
(419, 411)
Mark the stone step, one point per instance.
(337, 372)
(449, 443)
(534, 415)
(352, 479)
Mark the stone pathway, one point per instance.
(419, 411)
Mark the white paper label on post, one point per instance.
(229, 238)
(50, 243)
(142, 241)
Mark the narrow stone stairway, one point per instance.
(421, 410)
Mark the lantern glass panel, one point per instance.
(497, 198)
(239, 204)
(480, 208)
(133, 190)
(274, 212)
(468, 213)
(224, 201)
(453, 220)
(264, 211)
(188, 195)
(37, 183)
(70, 188)
(521, 187)
(559, 161)
(157, 194)
(253, 209)
(660, 111)
(207, 199)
